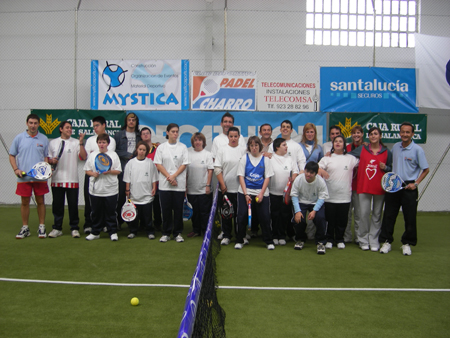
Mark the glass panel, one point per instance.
(369, 8)
(412, 24)
(403, 7)
(361, 22)
(310, 5)
(411, 41)
(412, 8)
(344, 39)
(309, 20)
(344, 6)
(395, 7)
(327, 38)
(318, 21)
(318, 6)
(318, 37)
(386, 39)
(386, 23)
(378, 39)
(369, 23)
(327, 21)
(352, 6)
(335, 6)
(403, 24)
(352, 22)
(335, 21)
(361, 36)
(394, 39)
(335, 38)
(369, 39)
(378, 22)
(386, 7)
(361, 6)
(394, 23)
(309, 37)
(352, 38)
(402, 40)
(327, 6)
(344, 21)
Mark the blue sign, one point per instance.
(365, 89)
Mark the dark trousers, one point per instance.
(59, 196)
(281, 215)
(407, 199)
(144, 217)
(336, 215)
(319, 221)
(227, 224)
(87, 204)
(201, 205)
(104, 212)
(121, 199)
(171, 201)
(157, 211)
(262, 210)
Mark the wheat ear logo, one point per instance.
(347, 129)
(49, 125)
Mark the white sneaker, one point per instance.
(24, 232)
(220, 235)
(75, 234)
(239, 246)
(375, 248)
(55, 233)
(114, 237)
(282, 242)
(41, 231)
(151, 236)
(164, 239)
(341, 246)
(270, 247)
(131, 236)
(364, 247)
(91, 237)
(246, 242)
(179, 238)
(299, 245)
(329, 245)
(275, 242)
(88, 230)
(321, 249)
(225, 241)
(406, 250)
(247, 236)
(105, 229)
(385, 248)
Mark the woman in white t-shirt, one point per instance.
(337, 170)
(171, 160)
(199, 176)
(284, 170)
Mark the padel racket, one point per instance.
(129, 211)
(40, 171)
(226, 211)
(103, 164)
(391, 182)
(187, 210)
(60, 152)
(287, 193)
(249, 215)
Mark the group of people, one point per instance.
(327, 183)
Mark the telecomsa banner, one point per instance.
(299, 96)
(365, 89)
(140, 84)
(208, 123)
(388, 123)
(223, 91)
(81, 121)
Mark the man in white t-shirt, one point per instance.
(65, 178)
(334, 131)
(222, 139)
(99, 124)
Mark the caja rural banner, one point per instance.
(140, 84)
(81, 121)
(365, 89)
(298, 96)
(208, 123)
(388, 123)
(223, 91)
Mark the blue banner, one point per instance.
(365, 89)
(208, 123)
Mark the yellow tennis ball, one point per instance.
(134, 301)
(256, 199)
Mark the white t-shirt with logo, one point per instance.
(197, 171)
(140, 174)
(295, 151)
(282, 167)
(227, 159)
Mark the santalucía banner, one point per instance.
(367, 89)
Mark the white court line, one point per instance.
(221, 287)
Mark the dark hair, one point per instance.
(288, 122)
(99, 119)
(227, 114)
(379, 132)
(62, 124)
(33, 117)
(103, 137)
(142, 143)
(334, 127)
(200, 136)
(136, 127)
(171, 126)
(407, 124)
(277, 143)
(345, 144)
(146, 128)
(255, 139)
(312, 166)
(234, 129)
(263, 125)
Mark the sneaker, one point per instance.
(75, 234)
(24, 232)
(91, 237)
(41, 231)
(225, 241)
(131, 236)
(55, 233)
(193, 234)
(248, 237)
(114, 237)
(374, 248)
(385, 248)
(364, 247)
(164, 239)
(299, 245)
(270, 247)
(246, 242)
(329, 245)
(341, 246)
(282, 242)
(105, 229)
(220, 237)
(321, 249)
(151, 236)
(179, 238)
(87, 230)
(275, 242)
(239, 246)
(406, 249)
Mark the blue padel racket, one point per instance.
(40, 171)
(391, 182)
(103, 164)
(249, 215)
(60, 152)
(187, 210)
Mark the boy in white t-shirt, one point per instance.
(308, 193)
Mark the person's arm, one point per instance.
(154, 187)
(423, 174)
(82, 154)
(127, 190)
(263, 189)
(208, 182)
(12, 161)
(248, 199)
(219, 175)
(173, 178)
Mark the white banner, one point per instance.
(288, 96)
(433, 71)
